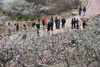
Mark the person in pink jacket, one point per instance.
(45, 20)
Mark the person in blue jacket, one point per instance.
(74, 21)
(51, 22)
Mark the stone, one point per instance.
(74, 13)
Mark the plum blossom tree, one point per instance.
(88, 39)
(78, 47)
(26, 7)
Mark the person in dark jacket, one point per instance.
(48, 26)
(51, 21)
(9, 29)
(63, 22)
(56, 20)
(38, 27)
(25, 33)
(33, 23)
(72, 23)
(43, 23)
(77, 23)
(84, 22)
(80, 10)
(17, 27)
(58, 23)
(84, 10)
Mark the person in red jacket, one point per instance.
(45, 20)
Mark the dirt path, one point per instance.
(93, 9)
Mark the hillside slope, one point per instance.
(8, 0)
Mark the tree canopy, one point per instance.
(25, 7)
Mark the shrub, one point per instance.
(20, 17)
(32, 18)
(13, 17)
(25, 18)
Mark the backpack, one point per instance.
(85, 22)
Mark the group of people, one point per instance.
(49, 25)
(75, 23)
(16, 28)
(80, 10)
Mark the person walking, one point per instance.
(33, 23)
(84, 22)
(48, 26)
(9, 29)
(58, 23)
(38, 27)
(51, 21)
(25, 32)
(63, 22)
(84, 10)
(39, 20)
(43, 23)
(17, 27)
(72, 23)
(77, 23)
(45, 20)
(80, 10)
(56, 20)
